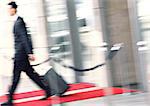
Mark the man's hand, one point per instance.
(31, 57)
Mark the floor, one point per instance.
(117, 100)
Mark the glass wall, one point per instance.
(144, 41)
(58, 36)
(88, 20)
(91, 38)
(57, 23)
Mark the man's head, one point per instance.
(12, 8)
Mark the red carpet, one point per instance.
(40, 92)
(69, 98)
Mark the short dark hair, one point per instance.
(13, 5)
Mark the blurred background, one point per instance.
(83, 34)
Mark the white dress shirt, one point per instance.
(15, 17)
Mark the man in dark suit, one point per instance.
(23, 53)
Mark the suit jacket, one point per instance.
(23, 46)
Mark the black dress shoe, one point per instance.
(46, 97)
(8, 103)
(48, 93)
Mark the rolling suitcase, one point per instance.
(55, 82)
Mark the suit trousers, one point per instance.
(23, 66)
